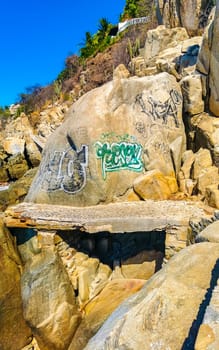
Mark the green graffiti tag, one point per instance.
(119, 156)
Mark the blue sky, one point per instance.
(37, 36)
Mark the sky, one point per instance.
(37, 36)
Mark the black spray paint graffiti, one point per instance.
(161, 110)
(66, 169)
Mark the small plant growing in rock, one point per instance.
(133, 48)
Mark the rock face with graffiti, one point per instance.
(66, 169)
(111, 136)
(119, 156)
(161, 110)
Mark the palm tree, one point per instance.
(103, 28)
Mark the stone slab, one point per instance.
(114, 218)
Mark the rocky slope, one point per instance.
(149, 134)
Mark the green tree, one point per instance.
(130, 10)
(144, 8)
(89, 46)
(103, 28)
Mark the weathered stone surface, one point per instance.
(205, 131)
(212, 195)
(202, 161)
(14, 332)
(45, 283)
(203, 62)
(208, 335)
(208, 176)
(214, 66)
(17, 190)
(187, 163)
(4, 176)
(192, 94)
(160, 38)
(152, 185)
(208, 61)
(132, 126)
(139, 216)
(17, 166)
(33, 152)
(13, 145)
(209, 234)
(97, 310)
(171, 297)
(205, 337)
(143, 265)
(192, 15)
(170, 13)
(189, 15)
(198, 175)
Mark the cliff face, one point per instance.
(147, 131)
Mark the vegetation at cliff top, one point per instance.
(93, 44)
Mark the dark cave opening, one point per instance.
(119, 248)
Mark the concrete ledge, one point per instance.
(115, 217)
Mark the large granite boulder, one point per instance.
(49, 302)
(167, 312)
(208, 62)
(99, 309)
(110, 136)
(14, 332)
(162, 38)
(191, 14)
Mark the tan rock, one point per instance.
(208, 335)
(214, 66)
(187, 163)
(192, 94)
(212, 196)
(132, 127)
(3, 172)
(152, 185)
(171, 297)
(100, 280)
(208, 61)
(209, 234)
(14, 332)
(172, 183)
(189, 15)
(205, 134)
(45, 283)
(176, 148)
(132, 196)
(19, 189)
(143, 265)
(203, 62)
(17, 166)
(160, 38)
(121, 72)
(194, 40)
(29, 248)
(189, 186)
(13, 145)
(208, 176)
(170, 14)
(33, 153)
(4, 199)
(202, 161)
(86, 274)
(97, 311)
(205, 337)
